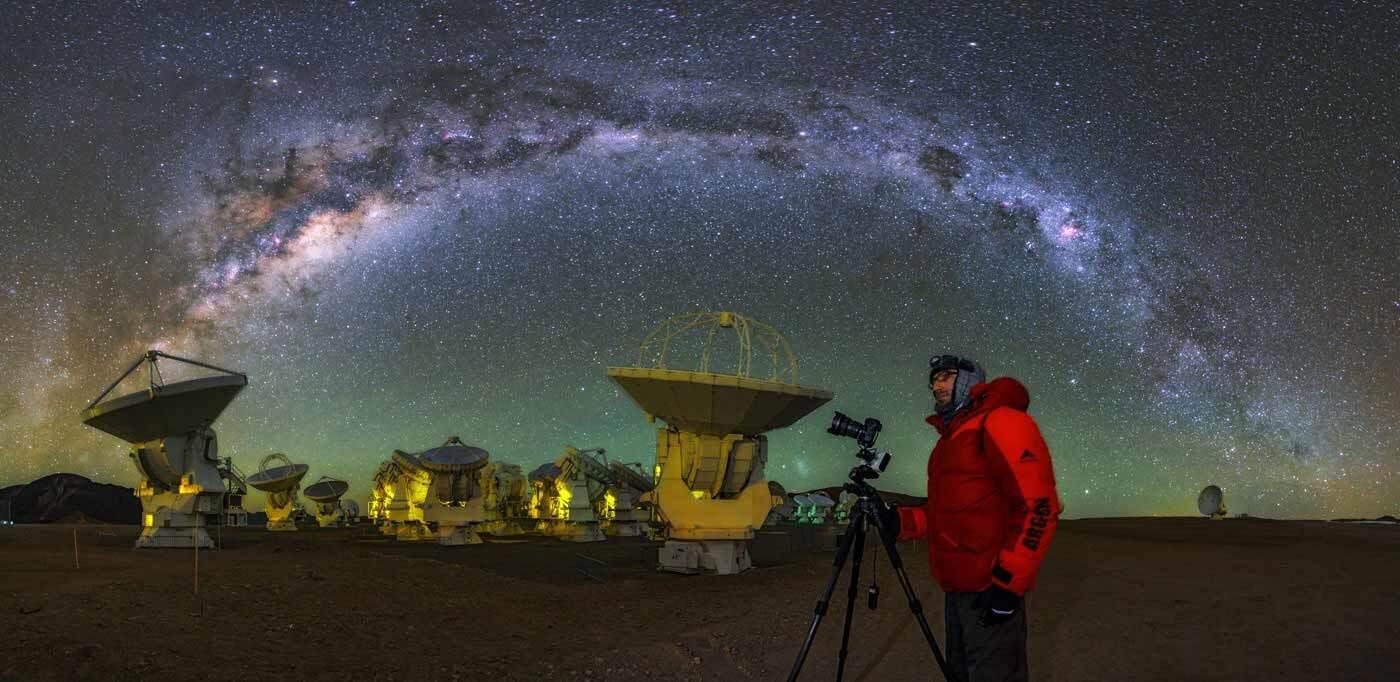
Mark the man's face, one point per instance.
(942, 386)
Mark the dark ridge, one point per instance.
(60, 497)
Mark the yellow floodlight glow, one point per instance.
(609, 510)
(561, 501)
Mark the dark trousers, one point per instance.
(978, 653)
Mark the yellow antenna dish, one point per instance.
(705, 401)
(712, 491)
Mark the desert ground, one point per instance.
(1118, 599)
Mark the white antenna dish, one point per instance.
(783, 508)
(351, 509)
(453, 457)
(1211, 502)
(507, 496)
(622, 509)
(455, 504)
(631, 477)
(281, 484)
(173, 446)
(569, 503)
(278, 479)
(545, 472)
(163, 410)
(326, 489)
(399, 497)
(326, 494)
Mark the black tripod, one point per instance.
(864, 515)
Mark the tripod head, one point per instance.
(873, 462)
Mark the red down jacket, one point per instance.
(992, 505)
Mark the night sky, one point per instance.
(406, 222)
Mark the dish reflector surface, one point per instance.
(325, 491)
(718, 404)
(1208, 502)
(278, 479)
(166, 410)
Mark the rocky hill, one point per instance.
(64, 497)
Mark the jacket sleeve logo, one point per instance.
(1039, 519)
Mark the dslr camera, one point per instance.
(864, 435)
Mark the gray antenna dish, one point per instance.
(281, 484)
(1211, 502)
(455, 504)
(173, 446)
(453, 457)
(278, 479)
(326, 492)
(545, 472)
(631, 477)
(163, 409)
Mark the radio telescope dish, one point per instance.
(281, 484)
(712, 488)
(173, 447)
(631, 477)
(1211, 502)
(278, 479)
(625, 492)
(506, 497)
(783, 508)
(400, 493)
(545, 472)
(453, 457)
(325, 490)
(160, 411)
(717, 404)
(455, 504)
(352, 511)
(326, 494)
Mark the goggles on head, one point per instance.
(939, 363)
(943, 363)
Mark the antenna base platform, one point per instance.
(721, 557)
(411, 531)
(175, 520)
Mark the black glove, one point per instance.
(995, 605)
(889, 521)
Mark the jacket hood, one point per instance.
(999, 392)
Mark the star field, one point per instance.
(407, 222)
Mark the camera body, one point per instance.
(864, 435)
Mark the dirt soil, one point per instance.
(1119, 599)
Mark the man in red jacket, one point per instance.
(991, 513)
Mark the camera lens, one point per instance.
(841, 425)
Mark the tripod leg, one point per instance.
(858, 524)
(917, 608)
(843, 548)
